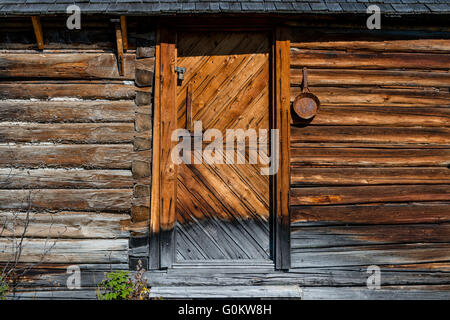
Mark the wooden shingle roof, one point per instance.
(157, 7)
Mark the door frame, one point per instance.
(164, 171)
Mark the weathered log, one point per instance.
(88, 156)
(345, 77)
(143, 98)
(56, 294)
(370, 134)
(397, 116)
(370, 156)
(336, 236)
(46, 90)
(420, 292)
(146, 64)
(69, 251)
(425, 273)
(140, 213)
(143, 141)
(141, 190)
(144, 78)
(67, 132)
(64, 178)
(377, 60)
(67, 199)
(338, 276)
(145, 52)
(368, 176)
(67, 111)
(212, 291)
(370, 255)
(48, 276)
(400, 213)
(271, 291)
(64, 225)
(143, 122)
(141, 169)
(416, 97)
(145, 155)
(369, 194)
(65, 66)
(410, 45)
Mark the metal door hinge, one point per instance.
(180, 71)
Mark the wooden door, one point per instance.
(222, 210)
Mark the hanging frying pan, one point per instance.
(306, 104)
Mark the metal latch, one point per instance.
(180, 71)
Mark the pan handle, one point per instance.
(305, 80)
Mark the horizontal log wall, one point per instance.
(369, 174)
(73, 137)
(370, 178)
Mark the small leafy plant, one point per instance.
(3, 289)
(118, 285)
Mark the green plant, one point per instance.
(3, 289)
(116, 286)
(119, 286)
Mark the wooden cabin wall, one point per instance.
(75, 145)
(370, 178)
(369, 174)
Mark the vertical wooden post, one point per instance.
(37, 27)
(164, 169)
(123, 27)
(119, 40)
(154, 202)
(281, 116)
